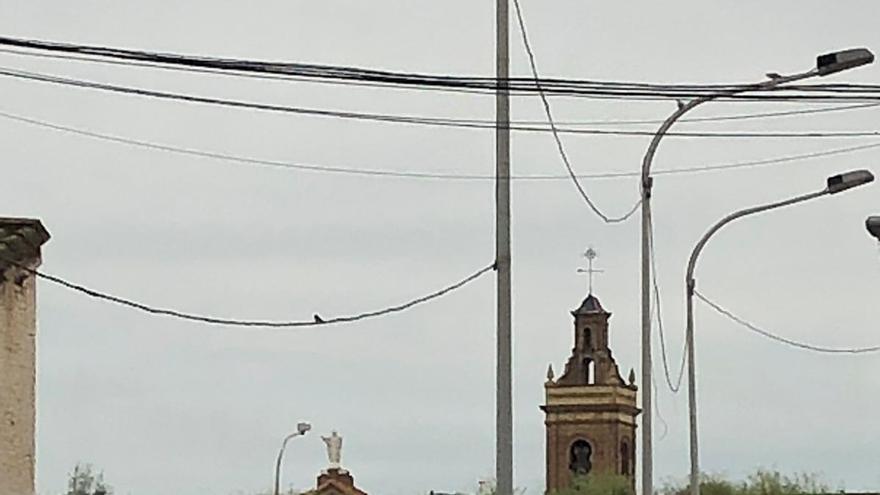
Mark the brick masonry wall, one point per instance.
(17, 383)
(605, 438)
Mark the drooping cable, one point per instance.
(657, 412)
(784, 340)
(398, 119)
(612, 89)
(559, 146)
(418, 175)
(676, 387)
(316, 321)
(609, 122)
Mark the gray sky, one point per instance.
(172, 407)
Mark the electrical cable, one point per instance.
(419, 175)
(559, 146)
(611, 89)
(656, 396)
(718, 118)
(317, 321)
(399, 119)
(784, 340)
(656, 289)
(219, 72)
(657, 412)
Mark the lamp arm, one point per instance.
(692, 262)
(690, 105)
(278, 460)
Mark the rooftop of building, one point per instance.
(590, 305)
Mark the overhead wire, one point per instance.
(784, 340)
(316, 321)
(607, 89)
(656, 402)
(219, 72)
(663, 423)
(674, 388)
(418, 175)
(607, 122)
(398, 119)
(559, 146)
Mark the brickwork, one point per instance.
(589, 405)
(336, 481)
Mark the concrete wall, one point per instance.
(17, 382)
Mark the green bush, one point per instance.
(763, 482)
(599, 484)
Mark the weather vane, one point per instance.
(590, 254)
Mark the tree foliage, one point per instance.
(762, 482)
(84, 480)
(600, 484)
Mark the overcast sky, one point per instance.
(165, 406)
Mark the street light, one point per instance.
(826, 64)
(843, 60)
(301, 429)
(873, 226)
(834, 185)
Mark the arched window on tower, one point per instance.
(588, 339)
(580, 456)
(589, 371)
(624, 458)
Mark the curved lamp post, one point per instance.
(827, 64)
(301, 429)
(873, 226)
(834, 185)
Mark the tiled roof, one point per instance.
(590, 305)
(20, 241)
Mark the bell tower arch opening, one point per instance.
(580, 454)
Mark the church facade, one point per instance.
(590, 411)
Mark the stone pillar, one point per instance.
(20, 242)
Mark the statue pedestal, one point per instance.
(335, 480)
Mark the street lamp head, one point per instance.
(873, 225)
(847, 180)
(303, 428)
(831, 63)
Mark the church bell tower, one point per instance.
(590, 412)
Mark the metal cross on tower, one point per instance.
(590, 254)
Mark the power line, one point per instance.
(784, 340)
(666, 372)
(419, 175)
(607, 122)
(398, 119)
(199, 70)
(660, 417)
(316, 321)
(573, 87)
(559, 146)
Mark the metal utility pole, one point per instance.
(504, 393)
(827, 64)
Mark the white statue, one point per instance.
(334, 449)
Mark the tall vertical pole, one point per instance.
(692, 388)
(646, 385)
(647, 187)
(503, 399)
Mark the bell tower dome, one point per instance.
(590, 412)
